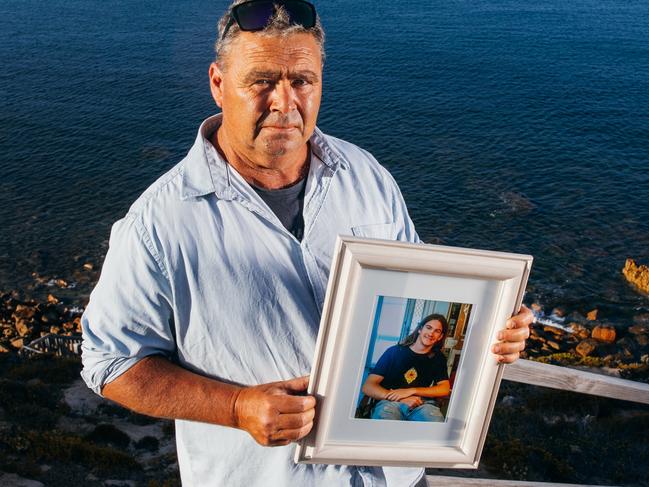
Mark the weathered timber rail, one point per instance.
(554, 377)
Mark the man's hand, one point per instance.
(273, 414)
(399, 394)
(412, 401)
(512, 340)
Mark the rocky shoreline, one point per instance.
(54, 430)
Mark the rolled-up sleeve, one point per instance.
(129, 316)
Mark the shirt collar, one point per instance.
(207, 172)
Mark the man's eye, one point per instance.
(299, 82)
(263, 82)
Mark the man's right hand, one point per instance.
(274, 414)
(412, 401)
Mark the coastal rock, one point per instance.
(23, 328)
(18, 343)
(642, 340)
(587, 347)
(641, 319)
(554, 344)
(579, 331)
(626, 347)
(88, 266)
(576, 317)
(639, 329)
(52, 299)
(592, 315)
(604, 334)
(558, 332)
(4, 349)
(637, 275)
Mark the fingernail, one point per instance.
(501, 335)
(496, 349)
(509, 324)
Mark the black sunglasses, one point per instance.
(255, 14)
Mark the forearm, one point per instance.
(156, 387)
(375, 391)
(439, 390)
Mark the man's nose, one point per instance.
(283, 97)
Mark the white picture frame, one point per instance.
(362, 271)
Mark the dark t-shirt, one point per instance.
(287, 204)
(400, 368)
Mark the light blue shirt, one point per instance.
(201, 270)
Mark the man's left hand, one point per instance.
(512, 339)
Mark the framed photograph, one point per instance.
(403, 369)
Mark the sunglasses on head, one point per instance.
(255, 14)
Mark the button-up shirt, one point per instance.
(201, 270)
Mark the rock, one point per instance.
(55, 330)
(23, 328)
(554, 331)
(13, 480)
(119, 483)
(604, 334)
(554, 345)
(626, 347)
(639, 329)
(558, 313)
(536, 308)
(24, 311)
(580, 331)
(4, 349)
(637, 275)
(52, 299)
(62, 283)
(18, 343)
(592, 315)
(587, 347)
(641, 319)
(642, 340)
(88, 266)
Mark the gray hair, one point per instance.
(278, 26)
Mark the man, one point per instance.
(210, 296)
(408, 376)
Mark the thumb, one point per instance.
(298, 384)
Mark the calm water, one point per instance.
(509, 125)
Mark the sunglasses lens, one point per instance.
(256, 14)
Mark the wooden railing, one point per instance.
(555, 377)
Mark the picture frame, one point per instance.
(365, 275)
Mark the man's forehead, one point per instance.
(252, 51)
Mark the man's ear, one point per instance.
(216, 84)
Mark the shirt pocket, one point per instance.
(387, 231)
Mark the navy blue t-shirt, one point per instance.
(400, 368)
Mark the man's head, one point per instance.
(268, 84)
(430, 332)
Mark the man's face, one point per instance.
(269, 91)
(430, 333)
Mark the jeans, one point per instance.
(397, 410)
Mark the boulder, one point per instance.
(626, 347)
(642, 340)
(554, 345)
(604, 334)
(592, 315)
(23, 328)
(558, 332)
(587, 347)
(638, 275)
(52, 299)
(580, 331)
(18, 343)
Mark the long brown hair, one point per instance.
(412, 338)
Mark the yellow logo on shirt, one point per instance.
(410, 375)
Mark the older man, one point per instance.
(210, 297)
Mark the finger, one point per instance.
(508, 347)
(292, 434)
(295, 420)
(508, 358)
(293, 404)
(514, 335)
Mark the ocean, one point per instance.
(509, 125)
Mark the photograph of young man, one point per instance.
(410, 375)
